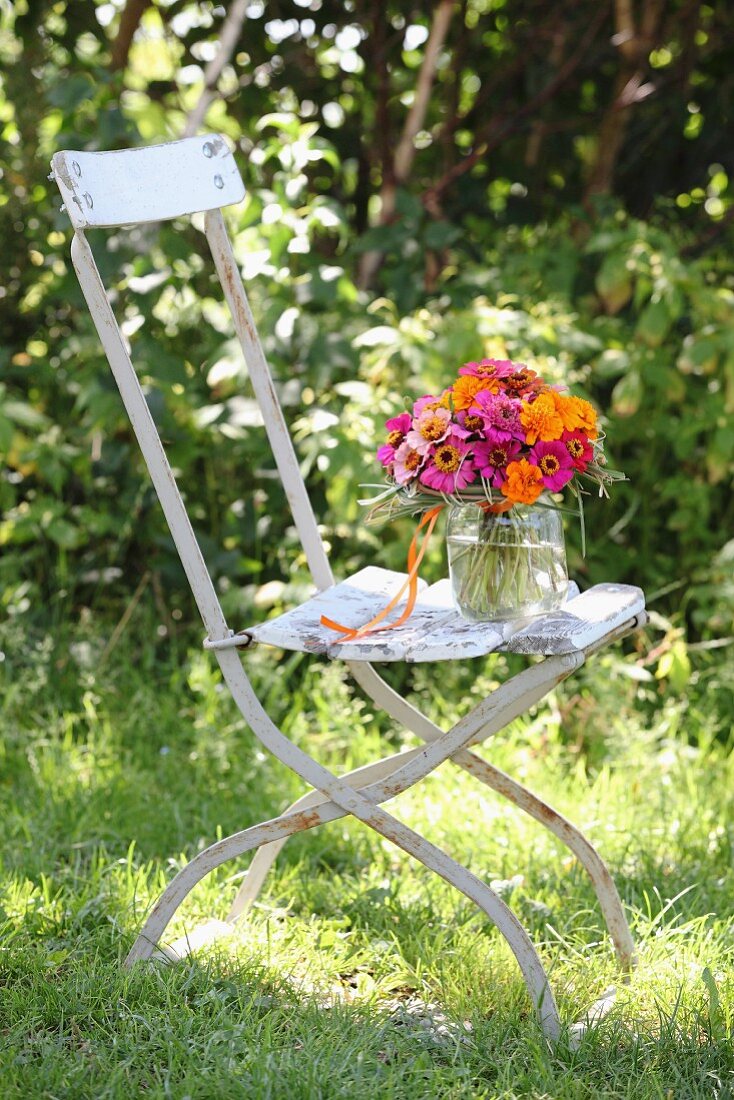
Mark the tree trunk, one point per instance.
(129, 22)
(634, 45)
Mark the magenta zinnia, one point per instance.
(501, 415)
(449, 468)
(554, 463)
(492, 459)
(488, 368)
(398, 427)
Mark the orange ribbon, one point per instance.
(496, 509)
(415, 557)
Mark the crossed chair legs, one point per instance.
(360, 793)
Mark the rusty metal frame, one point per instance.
(361, 792)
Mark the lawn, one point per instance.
(357, 974)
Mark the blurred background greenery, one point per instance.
(426, 184)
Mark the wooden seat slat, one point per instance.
(435, 631)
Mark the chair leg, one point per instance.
(266, 855)
(535, 977)
(404, 769)
(488, 717)
(609, 901)
(360, 803)
(604, 887)
(587, 855)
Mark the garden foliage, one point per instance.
(509, 233)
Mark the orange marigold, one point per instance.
(576, 414)
(467, 386)
(524, 482)
(566, 410)
(587, 417)
(541, 420)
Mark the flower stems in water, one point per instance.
(507, 566)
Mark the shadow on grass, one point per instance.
(225, 1026)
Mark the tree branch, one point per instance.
(402, 162)
(453, 99)
(538, 128)
(499, 127)
(230, 32)
(405, 152)
(502, 76)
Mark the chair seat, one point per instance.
(435, 631)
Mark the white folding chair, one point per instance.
(200, 175)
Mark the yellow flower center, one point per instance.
(549, 465)
(394, 438)
(433, 429)
(473, 423)
(412, 461)
(575, 448)
(498, 456)
(447, 459)
(519, 380)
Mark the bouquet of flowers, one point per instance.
(500, 438)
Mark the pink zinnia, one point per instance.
(492, 458)
(488, 368)
(398, 427)
(408, 462)
(554, 463)
(430, 427)
(500, 413)
(449, 468)
(429, 399)
(579, 448)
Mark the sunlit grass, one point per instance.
(357, 973)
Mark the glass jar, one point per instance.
(506, 566)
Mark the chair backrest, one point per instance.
(159, 183)
(153, 184)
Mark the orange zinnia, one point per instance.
(524, 482)
(467, 386)
(541, 420)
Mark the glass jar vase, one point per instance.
(506, 566)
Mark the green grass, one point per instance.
(358, 974)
